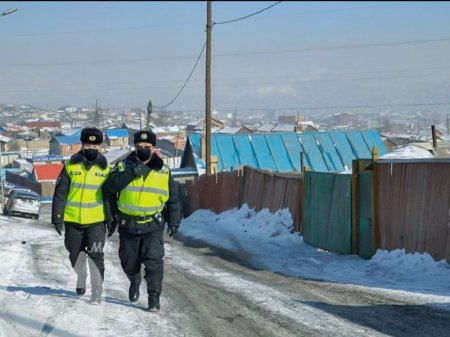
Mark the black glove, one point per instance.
(58, 228)
(172, 230)
(138, 169)
(112, 227)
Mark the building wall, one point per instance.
(121, 141)
(67, 150)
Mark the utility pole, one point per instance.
(97, 114)
(208, 89)
(140, 119)
(149, 113)
(234, 116)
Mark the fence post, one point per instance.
(376, 200)
(355, 207)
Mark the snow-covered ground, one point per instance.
(264, 241)
(37, 296)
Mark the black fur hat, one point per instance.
(145, 136)
(91, 136)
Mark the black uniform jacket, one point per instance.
(117, 181)
(63, 185)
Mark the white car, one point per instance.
(23, 202)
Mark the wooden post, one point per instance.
(302, 192)
(433, 135)
(376, 200)
(355, 207)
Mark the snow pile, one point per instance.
(263, 240)
(408, 152)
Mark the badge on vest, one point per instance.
(98, 174)
(75, 173)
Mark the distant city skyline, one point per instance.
(296, 54)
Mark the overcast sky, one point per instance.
(123, 53)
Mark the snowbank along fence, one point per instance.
(259, 189)
(384, 204)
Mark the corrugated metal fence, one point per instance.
(327, 212)
(257, 188)
(262, 189)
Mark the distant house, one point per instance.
(46, 175)
(46, 172)
(235, 130)
(284, 128)
(198, 125)
(64, 145)
(117, 137)
(43, 124)
(266, 128)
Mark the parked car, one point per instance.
(23, 202)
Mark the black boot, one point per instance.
(135, 282)
(153, 302)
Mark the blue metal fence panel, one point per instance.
(262, 152)
(294, 148)
(244, 150)
(343, 148)
(279, 152)
(215, 152)
(227, 152)
(359, 145)
(195, 143)
(312, 152)
(373, 139)
(330, 155)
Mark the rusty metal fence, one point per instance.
(258, 189)
(215, 192)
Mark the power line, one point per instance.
(247, 16)
(322, 77)
(281, 81)
(368, 45)
(340, 107)
(382, 44)
(186, 82)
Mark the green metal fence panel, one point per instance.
(366, 229)
(327, 217)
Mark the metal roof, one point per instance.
(323, 151)
(117, 133)
(68, 139)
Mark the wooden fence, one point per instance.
(395, 204)
(414, 206)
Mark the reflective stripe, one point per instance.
(141, 209)
(86, 186)
(84, 205)
(147, 189)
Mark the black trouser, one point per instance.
(148, 249)
(81, 240)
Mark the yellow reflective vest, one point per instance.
(85, 198)
(147, 196)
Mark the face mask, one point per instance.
(143, 154)
(90, 154)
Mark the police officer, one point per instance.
(146, 188)
(79, 205)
